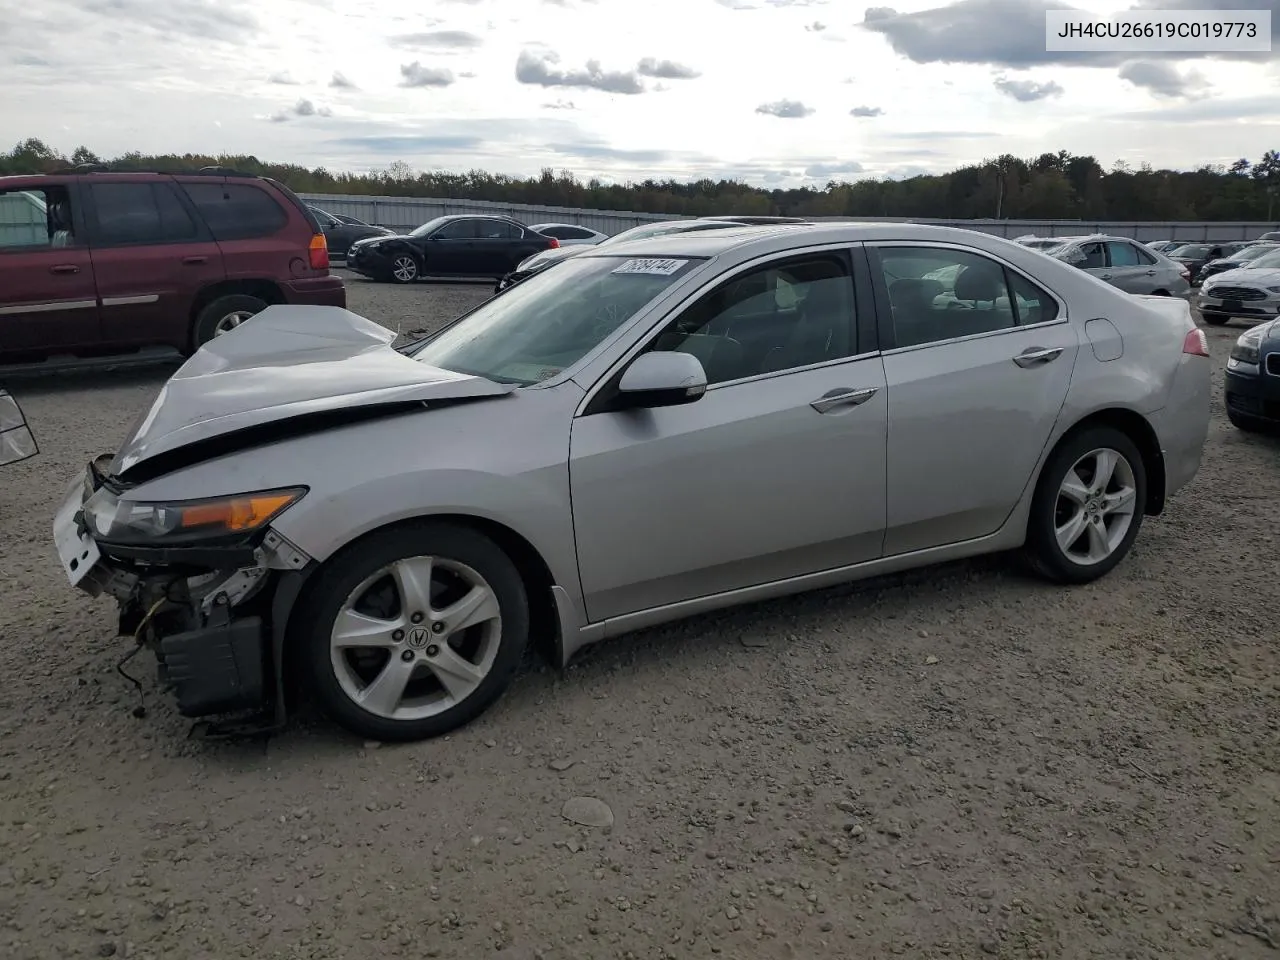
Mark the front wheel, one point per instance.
(414, 631)
(1088, 506)
(404, 268)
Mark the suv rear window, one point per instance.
(237, 211)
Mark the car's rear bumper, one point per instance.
(327, 291)
(1182, 426)
(1251, 391)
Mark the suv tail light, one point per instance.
(319, 251)
(554, 243)
(1195, 343)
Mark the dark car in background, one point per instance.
(1240, 258)
(1194, 256)
(540, 261)
(452, 246)
(341, 231)
(97, 262)
(1251, 387)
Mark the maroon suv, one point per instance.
(102, 262)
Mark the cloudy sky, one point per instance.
(773, 91)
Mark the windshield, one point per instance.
(1268, 261)
(428, 227)
(1253, 253)
(1192, 251)
(646, 230)
(549, 322)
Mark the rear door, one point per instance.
(151, 257)
(261, 235)
(499, 246)
(48, 300)
(1126, 270)
(976, 381)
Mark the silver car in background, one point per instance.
(570, 234)
(651, 430)
(1251, 291)
(1125, 263)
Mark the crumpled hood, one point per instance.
(1249, 276)
(288, 362)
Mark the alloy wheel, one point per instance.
(231, 321)
(1095, 506)
(404, 268)
(416, 638)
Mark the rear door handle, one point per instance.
(1035, 356)
(1151, 273)
(195, 260)
(64, 268)
(843, 397)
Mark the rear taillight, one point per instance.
(554, 243)
(319, 251)
(1195, 343)
(1186, 274)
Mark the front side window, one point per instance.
(550, 321)
(788, 314)
(35, 218)
(938, 294)
(458, 230)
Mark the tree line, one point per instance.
(1053, 186)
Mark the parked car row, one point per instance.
(95, 261)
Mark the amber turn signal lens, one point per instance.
(237, 514)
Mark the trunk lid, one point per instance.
(288, 362)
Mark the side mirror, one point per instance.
(661, 378)
(16, 441)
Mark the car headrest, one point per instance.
(977, 283)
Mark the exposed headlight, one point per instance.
(180, 522)
(1247, 347)
(1273, 289)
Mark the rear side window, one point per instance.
(237, 211)
(1123, 254)
(140, 213)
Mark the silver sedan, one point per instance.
(652, 430)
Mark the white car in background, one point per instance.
(570, 234)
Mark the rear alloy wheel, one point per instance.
(224, 315)
(404, 268)
(1088, 506)
(1214, 319)
(415, 631)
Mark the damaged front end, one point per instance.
(197, 582)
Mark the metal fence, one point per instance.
(408, 212)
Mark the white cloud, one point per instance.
(692, 88)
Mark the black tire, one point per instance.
(1160, 293)
(412, 268)
(1042, 551)
(213, 314)
(347, 570)
(1215, 319)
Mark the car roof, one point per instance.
(780, 237)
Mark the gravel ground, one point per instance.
(960, 762)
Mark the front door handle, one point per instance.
(64, 268)
(1104, 276)
(1035, 356)
(195, 260)
(843, 397)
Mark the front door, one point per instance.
(976, 381)
(48, 299)
(151, 257)
(776, 472)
